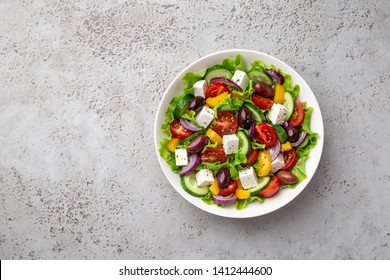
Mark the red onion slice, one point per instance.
(252, 130)
(227, 82)
(194, 162)
(224, 200)
(285, 124)
(189, 125)
(276, 76)
(274, 151)
(302, 138)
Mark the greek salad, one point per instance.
(237, 135)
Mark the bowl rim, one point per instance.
(230, 53)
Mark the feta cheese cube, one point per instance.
(200, 88)
(277, 114)
(181, 157)
(241, 79)
(230, 144)
(277, 163)
(248, 178)
(204, 178)
(205, 116)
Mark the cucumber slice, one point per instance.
(289, 103)
(190, 185)
(261, 185)
(259, 75)
(217, 73)
(229, 107)
(256, 113)
(244, 142)
(182, 105)
(281, 133)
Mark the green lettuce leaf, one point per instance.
(245, 94)
(258, 63)
(234, 64)
(169, 115)
(190, 79)
(231, 101)
(299, 169)
(208, 199)
(242, 203)
(168, 156)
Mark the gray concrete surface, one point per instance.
(80, 83)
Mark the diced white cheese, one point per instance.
(241, 79)
(200, 88)
(205, 116)
(204, 178)
(248, 178)
(277, 163)
(181, 157)
(230, 144)
(277, 114)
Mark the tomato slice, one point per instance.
(178, 130)
(298, 115)
(265, 134)
(290, 159)
(226, 123)
(251, 157)
(213, 155)
(231, 188)
(262, 102)
(272, 188)
(216, 89)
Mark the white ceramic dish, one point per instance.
(284, 196)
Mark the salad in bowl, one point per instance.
(237, 133)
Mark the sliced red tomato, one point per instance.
(179, 131)
(226, 123)
(262, 102)
(290, 159)
(265, 134)
(231, 188)
(251, 157)
(213, 155)
(272, 188)
(216, 89)
(298, 115)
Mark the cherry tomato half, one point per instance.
(265, 134)
(290, 159)
(213, 155)
(262, 102)
(231, 188)
(178, 130)
(251, 157)
(216, 89)
(298, 115)
(226, 123)
(272, 188)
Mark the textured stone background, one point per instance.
(80, 83)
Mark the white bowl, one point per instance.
(282, 197)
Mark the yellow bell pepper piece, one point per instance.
(214, 136)
(214, 188)
(279, 94)
(213, 101)
(242, 194)
(172, 144)
(286, 147)
(264, 163)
